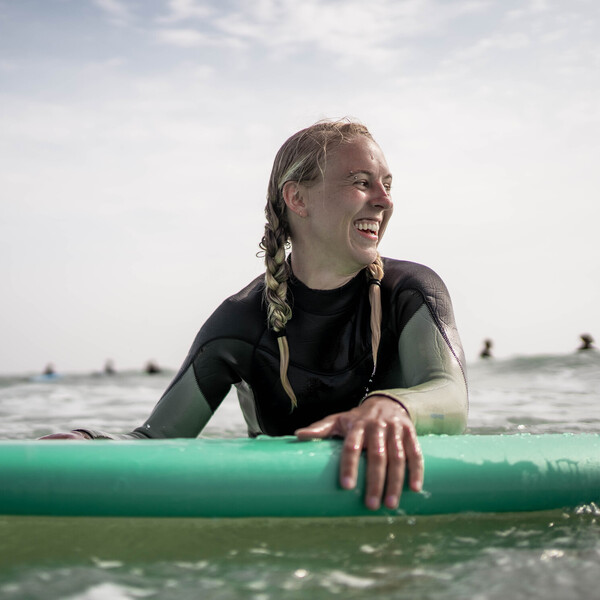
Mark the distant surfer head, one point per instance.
(587, 341)
(486, 352)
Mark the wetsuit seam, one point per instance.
(225, 337)
(441, 329)
(439, 325)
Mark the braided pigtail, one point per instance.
(375, 275)
(277, 274)
(301, 159)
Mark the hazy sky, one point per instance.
(136, 140)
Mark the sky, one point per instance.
(137, 138)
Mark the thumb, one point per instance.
(321, 429)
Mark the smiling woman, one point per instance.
(333, 341)
(336, 221)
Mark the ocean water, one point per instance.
(549, 555)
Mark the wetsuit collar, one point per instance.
(326, 302)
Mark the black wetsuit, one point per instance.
(330, 358)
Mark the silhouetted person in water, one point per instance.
(487, 349)
(587, 342)
(109, 368)
(49, 370)
(152, 368)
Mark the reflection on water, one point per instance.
(426, 557)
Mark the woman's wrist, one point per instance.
(387, 396)
(83, 433)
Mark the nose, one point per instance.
(382, 197)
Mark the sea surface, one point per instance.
(546, 555)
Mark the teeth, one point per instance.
(368, 226)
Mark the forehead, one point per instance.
(360, 154)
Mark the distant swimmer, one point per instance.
(587, 342)
(109, 367)
(487, 349)
(48, 374)
(152, 368)
(49, 370)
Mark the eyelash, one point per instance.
(387, 186)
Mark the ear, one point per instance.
(294, 198)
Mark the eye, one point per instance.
(387, 187)
(361, 182)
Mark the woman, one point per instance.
(332, 340)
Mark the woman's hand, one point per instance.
(72, 435)
(383, 428)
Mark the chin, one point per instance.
(366, 258)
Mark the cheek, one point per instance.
(385, 222)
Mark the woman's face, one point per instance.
(348, 210)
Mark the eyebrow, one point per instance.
(367, 172)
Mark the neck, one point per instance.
(320, 276)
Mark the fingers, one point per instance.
(390, 440)
(351, 451)
(73, 435)
(385, 461)
(377, 465)
(392, 447)
(321, 429)
(341, 425)
(414, 459)
(396, 468)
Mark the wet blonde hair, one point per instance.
(302, 159)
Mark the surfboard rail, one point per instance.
(284, 477)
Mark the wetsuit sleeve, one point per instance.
(435, 395)
(182, 412)
(96, 434)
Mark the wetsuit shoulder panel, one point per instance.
(427, 374)
(182, 411)
(409, 285)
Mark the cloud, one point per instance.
(535, 7)
(183, 10)
(484, 46)
(183, 38)
(117, 10)
(346, 34)
(349, 31)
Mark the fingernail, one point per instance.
(391, 501)
(347, 483)
(372, 502)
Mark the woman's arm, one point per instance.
(434, 400)
(435, 395)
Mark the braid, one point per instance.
(277, 273)
(301, 159)
(375, 275)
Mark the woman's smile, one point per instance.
(369, 229)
